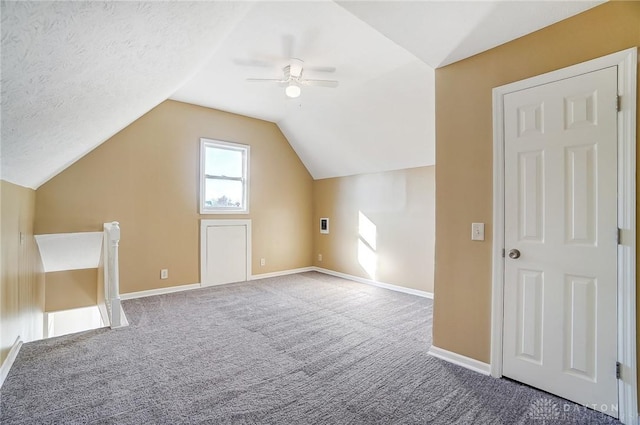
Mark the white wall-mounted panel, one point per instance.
(225, 251)
(70, 251)
(226, 254)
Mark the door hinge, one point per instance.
(618, 370)
(618, 103)
(502, 252)
(619, 236)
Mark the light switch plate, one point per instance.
(477, 231)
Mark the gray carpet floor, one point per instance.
(299, 349)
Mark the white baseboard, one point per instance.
(159, 291)
(282, 273)
(171, 289)
(389, 286)
(8, 362)
(460, 360)
(180, 288)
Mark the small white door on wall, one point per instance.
(560, 290)
(225, 251)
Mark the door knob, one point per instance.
(514, 254)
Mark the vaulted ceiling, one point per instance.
(76, 73)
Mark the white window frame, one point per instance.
(246, 150)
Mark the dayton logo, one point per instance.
(543, 409)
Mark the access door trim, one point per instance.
(626, 62)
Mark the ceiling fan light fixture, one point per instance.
(292, 90)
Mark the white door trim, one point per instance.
(204, 223)
(626, 61)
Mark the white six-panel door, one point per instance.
(560, 321)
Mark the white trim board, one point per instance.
(460, 360)
(180, 288)
(389, 286)
(8, 362)
(189, 287)
(159, 291)
(282, 273)
(626, 62)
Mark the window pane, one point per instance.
(226, 189)
(223, 193)
(223, 162)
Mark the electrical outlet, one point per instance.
(263, 262)
(319, 257)
(164, 274)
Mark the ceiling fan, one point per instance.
(293, 80)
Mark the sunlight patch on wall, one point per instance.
(367, 235)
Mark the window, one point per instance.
(224, 177)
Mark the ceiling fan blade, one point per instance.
(321, 68)
(253, 62)
(279, 82)
(268, 80)
(320, 83)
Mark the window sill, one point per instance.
(223, 212)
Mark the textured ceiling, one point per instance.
(75, 73)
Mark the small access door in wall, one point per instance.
(225, 251)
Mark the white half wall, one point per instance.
(70, 251)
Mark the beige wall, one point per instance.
(401, 206)
(71, 289)
(146, 177)
(21, 277)
(464, 158)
